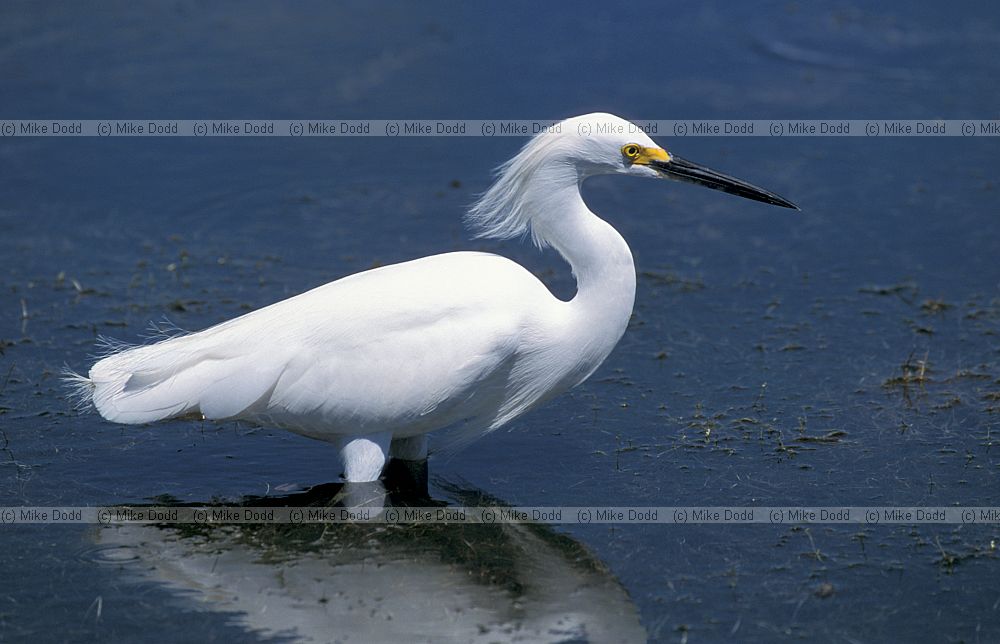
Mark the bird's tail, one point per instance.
(175, 377)
(80, 388)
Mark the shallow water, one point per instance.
(756, 330)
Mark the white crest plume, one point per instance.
(504, 211)
(529, 189)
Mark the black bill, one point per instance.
(683, 170)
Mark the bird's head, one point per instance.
(529, 188)
(607, 144)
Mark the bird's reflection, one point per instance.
(384, 582)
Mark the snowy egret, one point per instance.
(467, 340)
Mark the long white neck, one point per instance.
(538, 192)
(601, 261)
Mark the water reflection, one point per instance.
(376, 582)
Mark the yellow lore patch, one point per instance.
(635, 153)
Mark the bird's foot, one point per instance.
(362, 496)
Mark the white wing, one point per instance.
(409, 348)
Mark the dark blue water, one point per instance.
(756, 330)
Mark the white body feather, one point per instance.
(412, 347)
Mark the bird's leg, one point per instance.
(364, 457)
(413, 448)
(406, 472)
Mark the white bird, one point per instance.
(374, 361)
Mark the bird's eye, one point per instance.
(631, 151)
